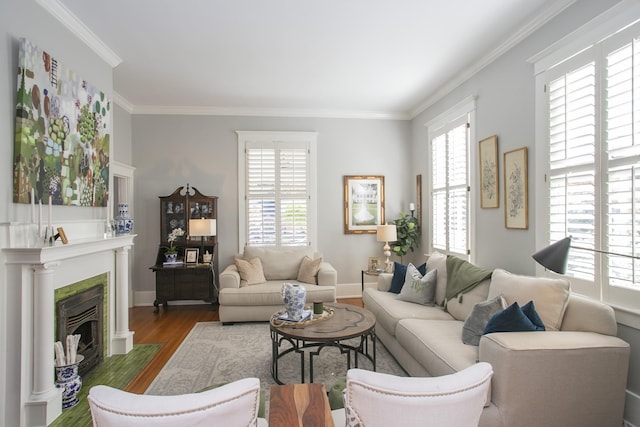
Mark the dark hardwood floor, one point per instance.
(170, 327)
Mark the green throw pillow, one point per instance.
(335, 394)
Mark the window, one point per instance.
(277, 188)
(590, 113)
(449, 182)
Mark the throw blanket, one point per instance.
(462, 276)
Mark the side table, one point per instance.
(299, 405)
(368, 273)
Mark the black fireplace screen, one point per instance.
(82, 313)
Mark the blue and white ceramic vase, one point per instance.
(123, 221)
(70, 382)
(171, 257)
(294, 297)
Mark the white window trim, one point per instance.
(309, 138)
(464, 107)
(622, 15)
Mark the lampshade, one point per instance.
(202, 227)
(555, 256)
(386, 233)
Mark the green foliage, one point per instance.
(408, 235)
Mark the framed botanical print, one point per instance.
(488, 157)
(191, 255)
(516, 197)
(363, 203)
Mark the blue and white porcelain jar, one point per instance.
(294, 297)
(70, 382)
(123, 221)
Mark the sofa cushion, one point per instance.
(514, 319)
(270, 293)
(279, 263)
(461, 306)
(418, 288)
(438, 261)
(389, 310)
(309, 270)
(400, 274)
(477, 321)
(436, 345)
(250, 271)
(549, 295)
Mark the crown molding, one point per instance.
(523, 32)
(122, 102)
(80, 30)
(268, 112)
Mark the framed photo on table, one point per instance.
(191, 255)
(374, 264)
(488, 156)
(363, 204)
(516, 193)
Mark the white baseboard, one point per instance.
(631, 409)
(352, 290)
(146, 298)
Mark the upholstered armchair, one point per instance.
(231, 405)
(374, 399)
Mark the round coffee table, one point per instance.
(339, 322)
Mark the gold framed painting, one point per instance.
(363, 203)
(488, 158)
(516, 197)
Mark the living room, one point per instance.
(171, 150)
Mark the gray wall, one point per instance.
(171, 151)
(505, 106)
(122, 149)
(18, 19)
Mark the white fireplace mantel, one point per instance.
(39, 271)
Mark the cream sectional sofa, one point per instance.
(572, 374)
(257, 302)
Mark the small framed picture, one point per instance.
(191, 255)
(374, 264)
(62, 235)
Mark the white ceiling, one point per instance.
(333, 58)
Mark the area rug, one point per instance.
(213, 354)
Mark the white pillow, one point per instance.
(550, 296)
(417, 288)
(438, 261)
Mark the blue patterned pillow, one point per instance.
(399, 273)
(514, 319)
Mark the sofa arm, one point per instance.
(230, 278)
(384, 281)
(578, 378)
(327, 275)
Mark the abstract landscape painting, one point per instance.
(61, 145)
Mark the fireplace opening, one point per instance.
(82, 313)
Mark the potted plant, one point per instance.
(408, 235)
(171, 252)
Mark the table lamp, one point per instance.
(202, 228)
(387, 233)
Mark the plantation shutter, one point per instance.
(277, 194)
(572, 137)
(622, 130)
(594, 160)
(449, 182)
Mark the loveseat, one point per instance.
(572, 374)
(251, 287)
